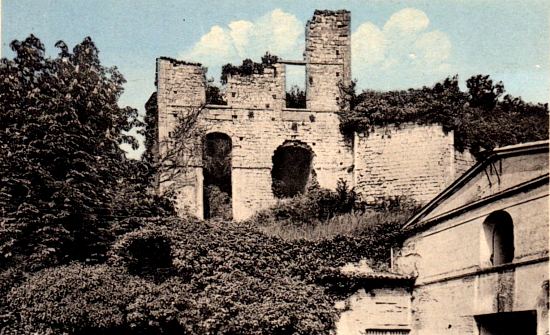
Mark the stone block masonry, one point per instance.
(328, 58)
(411, 160)
(418, 161)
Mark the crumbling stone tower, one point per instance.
(274, 151)
(328, 58)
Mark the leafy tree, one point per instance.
(63, 173)
(214, 96)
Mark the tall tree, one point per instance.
(62, 167)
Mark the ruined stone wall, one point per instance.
(180, 91)
(455, 283)
(328, 58)
(413, 160)
(257, 133)
(463, 162)
(264, 91)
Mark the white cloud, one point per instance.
(403, 53)
(212, 46)
(434, 46)
(408, 20)
(368, 44)
(277, 32)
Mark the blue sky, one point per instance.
(395, 44)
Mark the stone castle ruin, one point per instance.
(272, 151)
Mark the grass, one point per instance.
(349, 224)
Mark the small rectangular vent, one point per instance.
(386, 331)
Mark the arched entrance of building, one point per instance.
(292, 169)
(216, 157)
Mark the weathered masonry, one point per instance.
(275, 148)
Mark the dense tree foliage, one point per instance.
(214, 96)
(64, 177)
(480, 118)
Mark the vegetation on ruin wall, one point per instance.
(248, 67)
(295, 97)
(480, 118)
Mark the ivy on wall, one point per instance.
(480, 117)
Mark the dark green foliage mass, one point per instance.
(64, 177)
(480, 118)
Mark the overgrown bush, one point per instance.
(146, 253)
(219, 203)
(315, 205)
(218, 278)
(74, 299)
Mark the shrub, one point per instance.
(146, 252)
(248, 67)
(229, 279)
(219, 203)
(74, 299)
(167, 308)
(310, 208)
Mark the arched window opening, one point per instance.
(291, 169)
(499, 236)
(217, 148)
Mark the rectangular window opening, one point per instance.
(295, 86)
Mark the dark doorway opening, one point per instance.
(291, 169)
(217, 148)
(512, 323)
